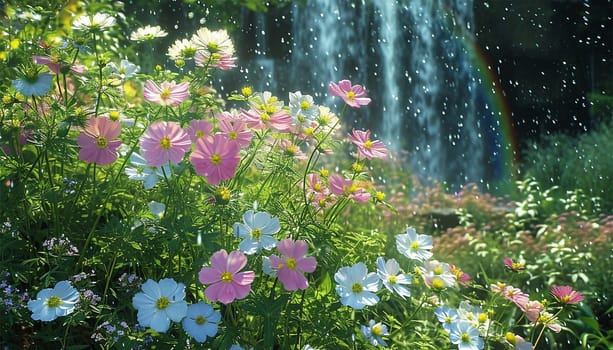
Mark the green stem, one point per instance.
(99, 216)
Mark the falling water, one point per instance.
(443, 98)
(388, 42)
(412, 58)
(328, 43)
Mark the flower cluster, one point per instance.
(130, 185)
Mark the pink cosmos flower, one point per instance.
(164, 141)
(353, 95)
(97, 141)
(291, 149)
(223, 61)
(461, 277)
(225, 281)
(293, 264)
(367, 148)
(215, 158)
(236, 131)
(341, 186)
(532, 309)
(513, 265)
(199, 129)
(566, 294)
(279, 120)
(55, 66)
(168, 94)
(516, 296)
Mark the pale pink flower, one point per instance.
(532, 309)
(514, 265)
(232, 115)
(291, 149)
(516, 296)
(353, 95)
(168, 94)
(235, 131)
(293, 264)
(164, 141)
(461, 277)
(198, 129)
(219, 60)
(225, 281)
(215, 158)
(98, 141)
(366, 147)
(347, 187)
(566, 294)
(550, 321)
(279, 120)
(56, 66)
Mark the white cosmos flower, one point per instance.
(182, 49)
(98, 21)
(51, 303)
(257, 230)
(356, 286)
(213, 41)
(148, 33)
(414, 246)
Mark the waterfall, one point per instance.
(328, 44)
(412, 57)
(440, 122)
(389, 32)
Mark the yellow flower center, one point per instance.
(438, 283)
(162, 303)
(264, 117)
(357, 167)
(465, 338)
(482, 317)
(357, 288)
(376, 330)
(380, 196)
(415, 245)
(351, 95)
(392, 279)
(54, 301)
(101, 142)
(510, 337)
(165, 143)
(199, 134)
(368, 144)
(114, 115)
(223, 193)
(216, 159)
(165, 94)
(304, 105)
(438, 270)
(291, 263)
(200, 320)
(246, 91)
(212, 47)
(291, 150)
(226, 277)
(257, 233)
(233, 135)
(270, 109)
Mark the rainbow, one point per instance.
(506, 167)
